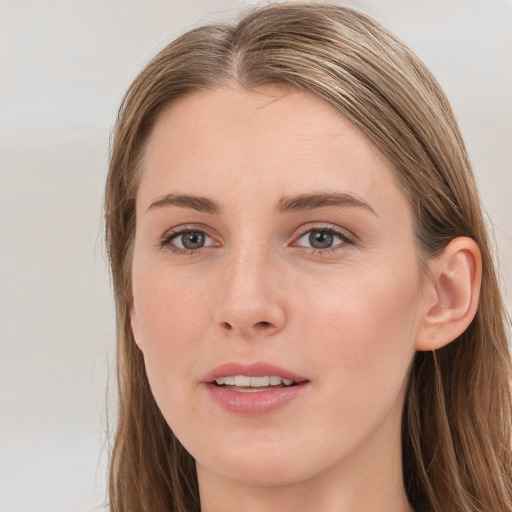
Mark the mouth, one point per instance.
(248, 384)
(254, 389)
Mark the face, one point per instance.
(277, 292)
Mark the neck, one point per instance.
(353, 486)
(306, 497)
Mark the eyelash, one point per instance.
(345, 237)
(166, 241)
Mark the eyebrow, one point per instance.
(200, 204)
(284, 204)
(321, 200)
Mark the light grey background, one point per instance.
(64, 66)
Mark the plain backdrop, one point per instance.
(64, 66)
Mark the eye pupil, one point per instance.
(192, 240)
(321, 239)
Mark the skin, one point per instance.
(347, 318)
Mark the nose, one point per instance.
(251, 299)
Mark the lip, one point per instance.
(253, 403)
(258, 369)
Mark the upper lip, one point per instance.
(258, 369)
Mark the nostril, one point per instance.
(263, 327)
(263, 324)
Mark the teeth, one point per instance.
(243, 381)
(259, 382)
(229, 381)
(274, 381)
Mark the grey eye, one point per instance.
(190, 240)
(324, 239)
(320, 239)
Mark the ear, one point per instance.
(135, 327)
(452, 298)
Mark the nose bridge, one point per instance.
(249, 300)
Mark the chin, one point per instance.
(259, 473)
(263, 464)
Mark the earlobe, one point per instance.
(455, 287)
(135, 327)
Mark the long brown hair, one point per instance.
(456, 428)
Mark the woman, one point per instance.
(308, 313)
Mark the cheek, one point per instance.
(361, 341)
(168, 303)
(162, 312)
(365, 324)
(169, 315)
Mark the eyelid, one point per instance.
(347, 237)
(165, 241)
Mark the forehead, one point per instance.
(231, 141)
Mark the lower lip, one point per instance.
(255, 402)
